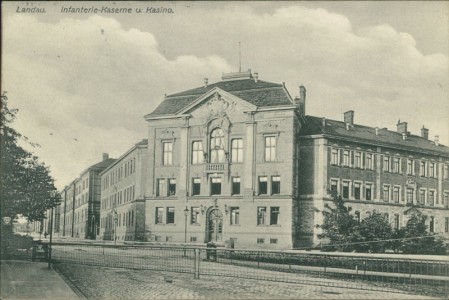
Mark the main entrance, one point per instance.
(214, 225)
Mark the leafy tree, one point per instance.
(418, 240)
(26, 187)
(375, 230)
(339, 224)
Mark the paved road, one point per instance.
(115, 283)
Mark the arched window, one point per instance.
(217, 153)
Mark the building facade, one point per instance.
(395, 173)
(122, 212)
(221, 165)
(80, 205)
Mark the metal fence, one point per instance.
(415, 276)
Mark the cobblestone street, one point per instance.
(114, 283)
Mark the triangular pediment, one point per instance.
(412, 211)
(218, 101)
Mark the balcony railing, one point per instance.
(216, 168)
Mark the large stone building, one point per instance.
(123, 196)
(222, 165)
(239, 162)
(393, 172)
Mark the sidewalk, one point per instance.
(32, 280)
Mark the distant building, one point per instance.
(80, 207)
(123, 196)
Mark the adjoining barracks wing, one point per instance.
(239, 162)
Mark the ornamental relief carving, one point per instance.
(219, 107)
(272, 126)
(166, 133)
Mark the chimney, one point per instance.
(256, 77)
(424, 133)
(302, 100)
(349, 117)
(404, 136)
(377, 130)
(105, 156)
(323, 120)
(206, 82)
(437, 140)
(402, 127)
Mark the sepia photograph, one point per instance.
(224, 150)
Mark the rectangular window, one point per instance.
(334, 187)
(358, 160)
(261, 215)
(357, 188)
(169, 239)
(386, 165)
(396, 194)
(161, 188)
(446, 199)
(446, 224)
(446, 172)
(423, 169)
(397, 165)
(194, 215)
(346, 158)
(215, 186)
(273, 241)
(396, 221)
(386, 193)
(167, 153)
(235, 185)
(196, 186)
(263, 189)
(237, 150)
(432, 224)
(171, 187)
(432, 172)
(334, 156)
(197, 153)
(422, 197)
(170, 215)
(159, 215)
(345, 190)
(193, 238)
(270, 148)
(410, 192)
(368, 192)
(275, 185)
(260, 240)
(158, 238)
(274, 215)
(410, 167)
(235, 216)
(431, 201)
(369, 161)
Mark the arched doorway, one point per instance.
(214, 225)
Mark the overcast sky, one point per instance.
(83, 82)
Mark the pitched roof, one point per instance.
(260, 93)
(364, 134)
(102, 164)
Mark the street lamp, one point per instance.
(186, 212)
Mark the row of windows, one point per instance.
(262, 241)
(359, 191)
(265, 215)
(80, 187)
(81, 200)
(119, 197)
(167, 187)
(217, 151)
(125, 219)
(81, 216)
(391, 164)
(127, 168)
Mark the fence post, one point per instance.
(196, 263)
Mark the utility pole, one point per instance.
(51, 239)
